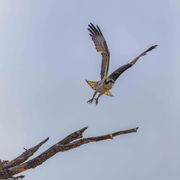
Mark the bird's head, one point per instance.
(107, 81)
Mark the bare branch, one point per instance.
(75, 135)
(72, 141)
(24, 156)
(16, 178)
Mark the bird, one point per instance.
(106, 83)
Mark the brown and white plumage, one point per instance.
(101, 46)
(123, 68)
(106, 83)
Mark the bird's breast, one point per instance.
(108, 86)
(102, 87)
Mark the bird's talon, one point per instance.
(90, 101)
(96, 101)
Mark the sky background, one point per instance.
(45, 56)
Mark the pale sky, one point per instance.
(45, 56)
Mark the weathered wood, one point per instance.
(74, 140)
(24, 156)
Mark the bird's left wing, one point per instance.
(123, 68)
(101, 46)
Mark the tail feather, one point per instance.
(108, 93)
(92, 84)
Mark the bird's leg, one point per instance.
(91, 100)
(98, 98)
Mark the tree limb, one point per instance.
(24, 156)
(74, 140)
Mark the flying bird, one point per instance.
(106, 82)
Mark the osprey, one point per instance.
(106, 83)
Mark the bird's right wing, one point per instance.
(123, 68)
(101, 46)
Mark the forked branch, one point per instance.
(20, 164)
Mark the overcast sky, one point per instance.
(45, 56)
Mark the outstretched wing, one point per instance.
(123, 68)
(101, 46)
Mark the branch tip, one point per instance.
(83, 129)
(44, 141)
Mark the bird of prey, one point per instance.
(106, 83)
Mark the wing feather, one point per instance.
(101, 46)
(123, 68)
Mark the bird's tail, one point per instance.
(92, 84)
(108, 93)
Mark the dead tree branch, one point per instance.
(20, 164)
